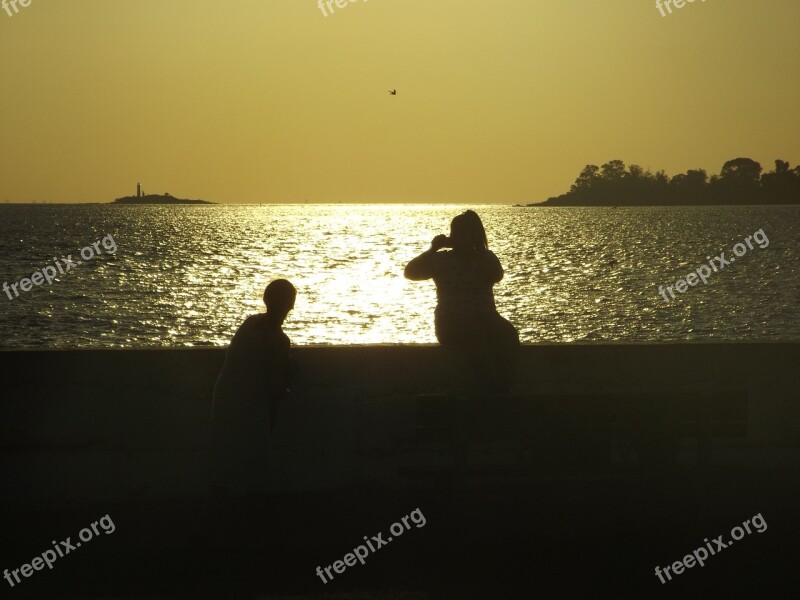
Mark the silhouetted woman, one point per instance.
(467, 320)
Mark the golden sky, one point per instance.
(498, 101)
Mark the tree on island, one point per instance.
(740, 182)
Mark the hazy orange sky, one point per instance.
(270, 101)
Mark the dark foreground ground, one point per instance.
(492, 539)
(609, 480)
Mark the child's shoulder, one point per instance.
(251, 325)
(254, 320)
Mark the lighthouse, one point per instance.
(138, 190)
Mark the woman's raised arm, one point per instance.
(422, 266)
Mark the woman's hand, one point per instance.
(439, 242)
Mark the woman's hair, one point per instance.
(468, 226)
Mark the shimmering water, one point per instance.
(188, 275)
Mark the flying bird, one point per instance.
(393, 92)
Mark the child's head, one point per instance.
(279, 297)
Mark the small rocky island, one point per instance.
(142, 198)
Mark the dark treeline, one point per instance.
(741, 181)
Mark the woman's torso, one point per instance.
(462, 286)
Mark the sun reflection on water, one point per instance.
(188, 276)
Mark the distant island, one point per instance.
(156, 199)
(142, 198)
(740, 182)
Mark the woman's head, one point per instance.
(467, 232)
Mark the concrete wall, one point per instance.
(134, 424)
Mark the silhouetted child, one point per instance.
(255, 378)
